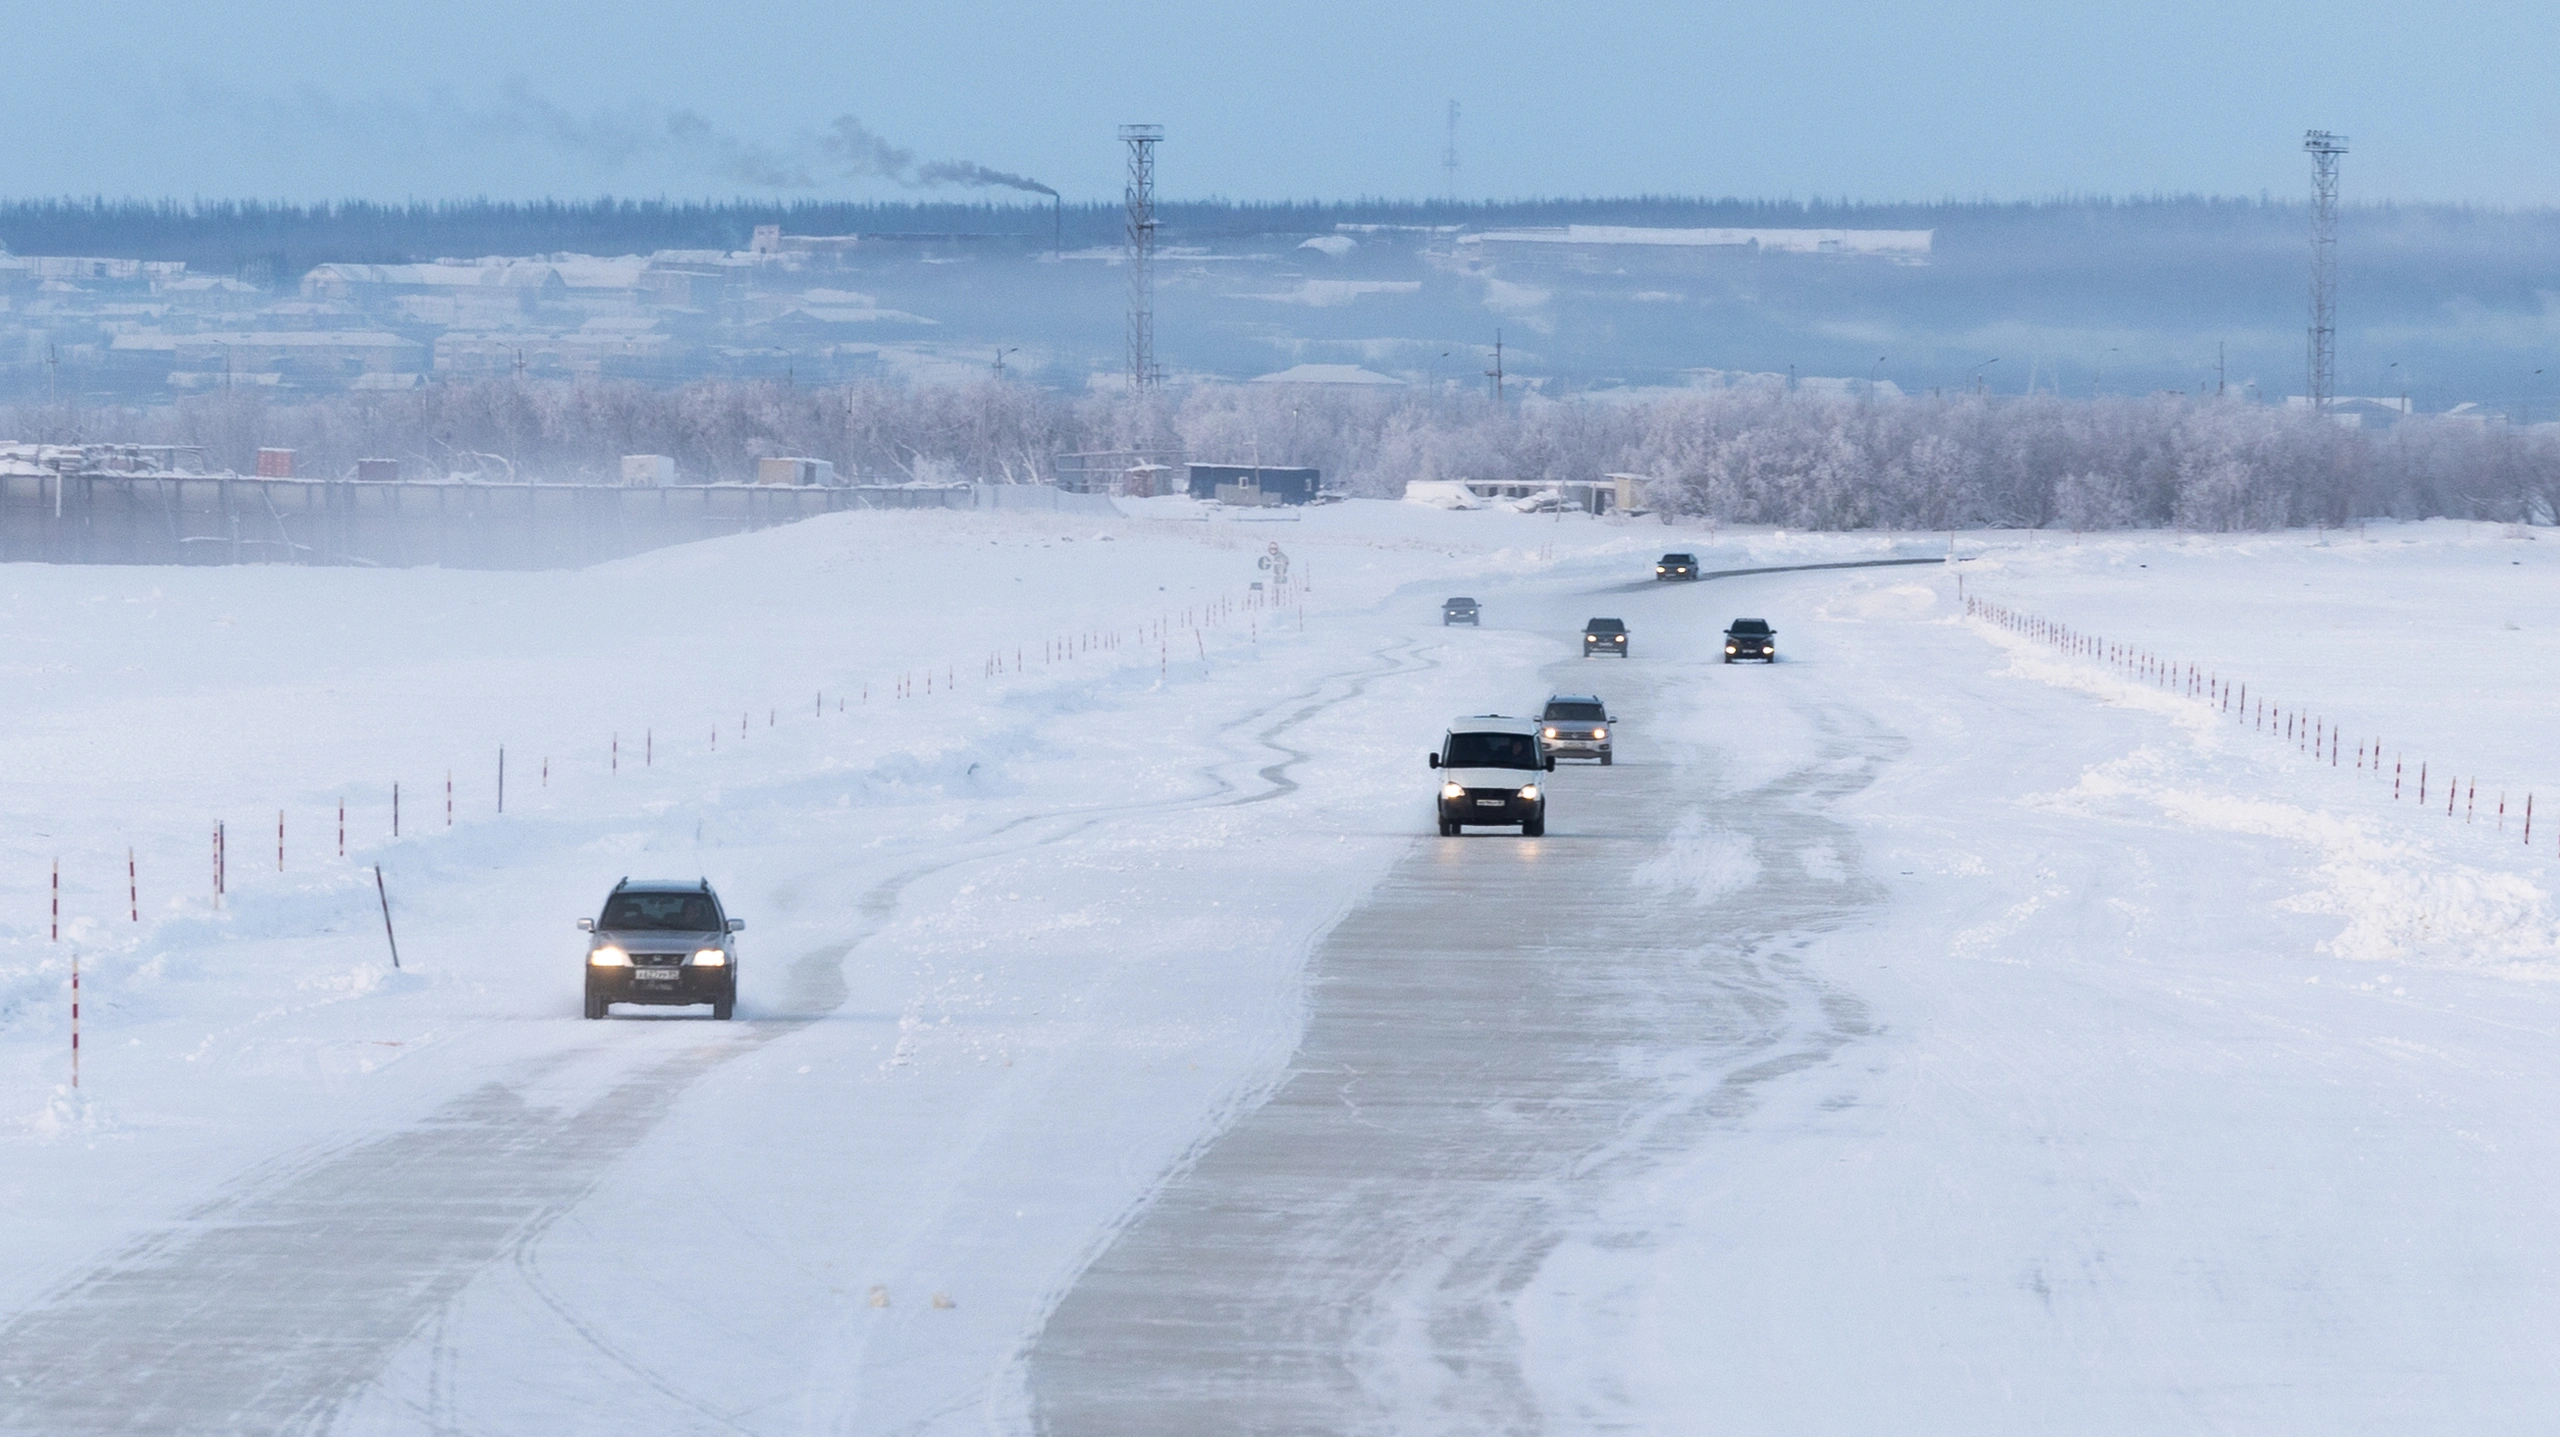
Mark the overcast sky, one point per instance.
(1304, 99)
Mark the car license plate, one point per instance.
(655, 975)
(1488, 803)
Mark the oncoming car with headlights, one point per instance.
(1489, 775)
(662, 941)
(1577, 726)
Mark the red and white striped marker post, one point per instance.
(217, 865)
(56, 935)
(448, 798)
(75, 1018)
(395, 809)
(132, 886)
(279, 840)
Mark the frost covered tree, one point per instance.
(1756, 454)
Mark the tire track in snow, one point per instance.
(267, 1309)
(1499, 1035)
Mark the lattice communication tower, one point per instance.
(1449, 156)
(1141, 196)
(2324, 149)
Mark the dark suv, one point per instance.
(1676, 566)
(662, 941)
(1750, 639)
(1460, 611)
(1604, 636)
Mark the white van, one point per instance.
(1490, 774)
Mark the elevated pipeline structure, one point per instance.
(141, 516)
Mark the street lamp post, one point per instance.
(1974, 378)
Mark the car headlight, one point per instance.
(609, 956)
(1599, 733)
(1530, 792)
(1728, 648)
(1621, 638)
(710, 958)
(1453, 790)
(1551, 733)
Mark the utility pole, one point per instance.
(1495, 373)
(2324, 149)
(1140, 197)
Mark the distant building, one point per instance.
(795, 471)
(648, 471)
(1272, 483)
(1332, 376)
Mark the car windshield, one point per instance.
(665, 912)
(1678, 559)
(1462, 603)
(1751, 626)
(1605, 626)
(1491, 750)
(1577, 713)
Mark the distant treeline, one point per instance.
(1758, 455)
(276, 242)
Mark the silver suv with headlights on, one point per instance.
(662, 941)
(1576, 726)
(1489, 774)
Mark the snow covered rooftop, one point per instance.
(1329, 374)
(1789, 241)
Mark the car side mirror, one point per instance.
(1551, 763)
(737, 925)
(586, 925)
(1432, 759)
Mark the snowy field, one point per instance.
(2176, 1079)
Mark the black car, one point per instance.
(1750, 639)
(663, 941)
(1676, 566)
(1460, 611)
(1604, 636)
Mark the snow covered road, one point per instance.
(1504, 1029)
(1928, 1024)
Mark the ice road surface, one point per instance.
(1934, 1031)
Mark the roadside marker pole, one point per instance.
(384, 894)
(448, 798)
(133, 885)
(56, 935)
(617, 751)
(342, 828)
(395, 810)
(75, 1018)
(279, 840)
(217, 865)
(502, 778)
